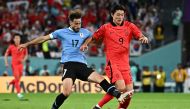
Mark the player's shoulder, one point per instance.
(129, 24)
(11, 46)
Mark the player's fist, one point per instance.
(84, 47)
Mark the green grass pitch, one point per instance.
(86, 101)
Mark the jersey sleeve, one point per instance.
(136, 31)
(99, 34)
(55, 34)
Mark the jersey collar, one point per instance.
(113, 24)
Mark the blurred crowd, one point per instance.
(35, 18)
(155, 80)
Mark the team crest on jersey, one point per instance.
(81, 35)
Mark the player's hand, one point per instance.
(143, 40)
(84, 47)
(22, 46)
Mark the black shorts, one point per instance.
(76, 70)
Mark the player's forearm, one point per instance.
(25, 58)
(88, 40)
(6, 58)
(38, 40)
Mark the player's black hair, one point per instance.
(116, 7)
(16, 34)
(75, 14)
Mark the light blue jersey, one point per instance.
(71, 42)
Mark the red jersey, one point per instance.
(17, 56)
(117, 41)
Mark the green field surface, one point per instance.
(87, 101)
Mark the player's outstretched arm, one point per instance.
(6, 59)
(34, 41)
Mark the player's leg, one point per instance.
(129, 87)
(17, 72)
(115, 77)
(67, 89)
(68, 79)
(107, 87)
(127, 101)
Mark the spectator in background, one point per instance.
(28, 70)
(176, 21)
(146, 79)
(138, 75)
(160, 78)
(179, 75)
(45, 49)
(159, 35)
(45, 71)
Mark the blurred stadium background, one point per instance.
(165, 22)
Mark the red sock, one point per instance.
(125, 104)
(105, 99)
(17, 86)
(12, 82)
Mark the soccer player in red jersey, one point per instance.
(18, 57)
(116, 37)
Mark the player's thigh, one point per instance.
(69, 71)
(113, 73)
(16, 69)
(84, 72)
(127, 77)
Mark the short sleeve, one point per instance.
(136, 31)
(99, 34)
(55, 34)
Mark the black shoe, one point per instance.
(95, 107)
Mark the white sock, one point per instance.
(98, 106)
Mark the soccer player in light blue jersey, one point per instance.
(74, 59)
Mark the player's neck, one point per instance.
(117, 24)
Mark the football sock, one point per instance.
(125, 104)
(17, 86)
(110, 88)
(59, 101)
(105, 99)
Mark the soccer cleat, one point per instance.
(125, 96)
(20, 96)
(96, 107)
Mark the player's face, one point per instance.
(75, 24)
(17, 40)
(118, 17)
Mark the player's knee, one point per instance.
(67, 92)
